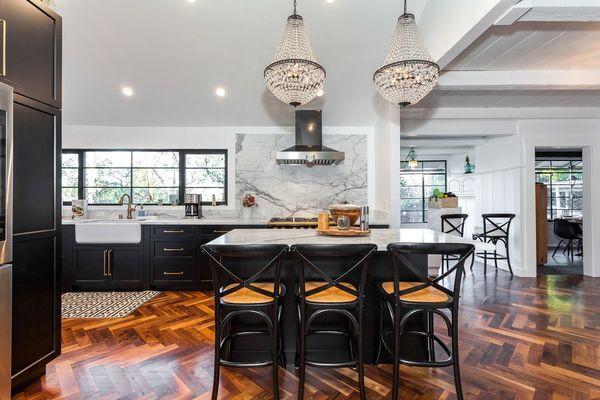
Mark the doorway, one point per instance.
(559, 177)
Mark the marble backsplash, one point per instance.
(284, 190)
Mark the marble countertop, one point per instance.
(380, 237)
(183, 221)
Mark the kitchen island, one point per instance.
(380, 268)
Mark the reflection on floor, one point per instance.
(521, 338)
(560, 264)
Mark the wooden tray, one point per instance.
(333, 231)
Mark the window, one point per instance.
(565, 186)
(148, 176)
(417, 185)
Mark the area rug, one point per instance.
(103, 304)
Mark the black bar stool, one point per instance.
(496, 229)
(339, 292)
(404, 300)
(247, 283)
(453, 224)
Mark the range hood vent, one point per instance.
(309, 149)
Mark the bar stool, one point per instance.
(247, 283)
(496, 229)
(404, 300)
(340, 292)
(453, 224)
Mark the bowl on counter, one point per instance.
(350, 210)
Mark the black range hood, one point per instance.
(309, 149)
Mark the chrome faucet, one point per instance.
(130, 208)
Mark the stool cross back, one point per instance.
(247, 283)
(452, 224)
(339, 292)
(496, 228)
(426, 296)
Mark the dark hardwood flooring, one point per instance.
(520, 339)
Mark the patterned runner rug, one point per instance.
(103, 304)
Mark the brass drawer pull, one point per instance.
(109, 266)
(172, 273)
(173, 231)
(168, 249)
(217, 231)
(104, 262)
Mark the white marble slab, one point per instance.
(380, 237)
(298, 190)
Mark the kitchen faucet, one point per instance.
(130, 209)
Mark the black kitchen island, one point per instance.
(327, 347)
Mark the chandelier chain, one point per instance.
(295, 6)
(405, 7)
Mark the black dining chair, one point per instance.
(247, 285)
(567, 232)
(332, 282)
(453, 224)
(496, 228)
(425, 297)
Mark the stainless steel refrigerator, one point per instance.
(6, 230)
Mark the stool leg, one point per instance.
(396, 353)
(302, 355)
(485, 262)
(472, 261)
(508, 258)
(217, 362)
(455, 355)
(430, 333)
(275, 354)
(361, 366)
(380, 348)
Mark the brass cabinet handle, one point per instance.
(168, 249)
(172, 273)
(104, 262)
(109, 263)
(217, 231)
(173, 231)
(3, 33)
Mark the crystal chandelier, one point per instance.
(294, 76)
(408, 73)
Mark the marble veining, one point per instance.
(284, 190)
(380, 237)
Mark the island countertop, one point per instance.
(380, 237)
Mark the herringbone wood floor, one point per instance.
(521, 339)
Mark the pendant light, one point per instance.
(408, 73)
(294, 76)
(412, 159)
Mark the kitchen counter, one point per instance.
(380, 237)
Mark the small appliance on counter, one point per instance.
(193, 206)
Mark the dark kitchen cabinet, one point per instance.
(32, 52)
(30, 62)
(101, 267)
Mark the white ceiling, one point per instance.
(534, 46)
(174, 55)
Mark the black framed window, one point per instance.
(148, 176)
(417, 185)
(564, 179)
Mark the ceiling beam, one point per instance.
(552, 11)
(520, 80)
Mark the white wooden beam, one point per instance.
(552, 11)
(520, 80)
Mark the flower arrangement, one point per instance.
(249, 201)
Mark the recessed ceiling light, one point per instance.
(320, 93)
(127, 91)
(191, 1)
(221, 92)
(329, 1)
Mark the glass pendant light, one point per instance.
(408, 73)
(294, 76)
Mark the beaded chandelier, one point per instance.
(409, 72)
(294, 76)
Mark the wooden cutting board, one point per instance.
(334, 231)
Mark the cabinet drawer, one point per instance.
(173, 249)
(174, 271)
(215, 230)
(172, 231)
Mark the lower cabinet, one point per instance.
(102, 267)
